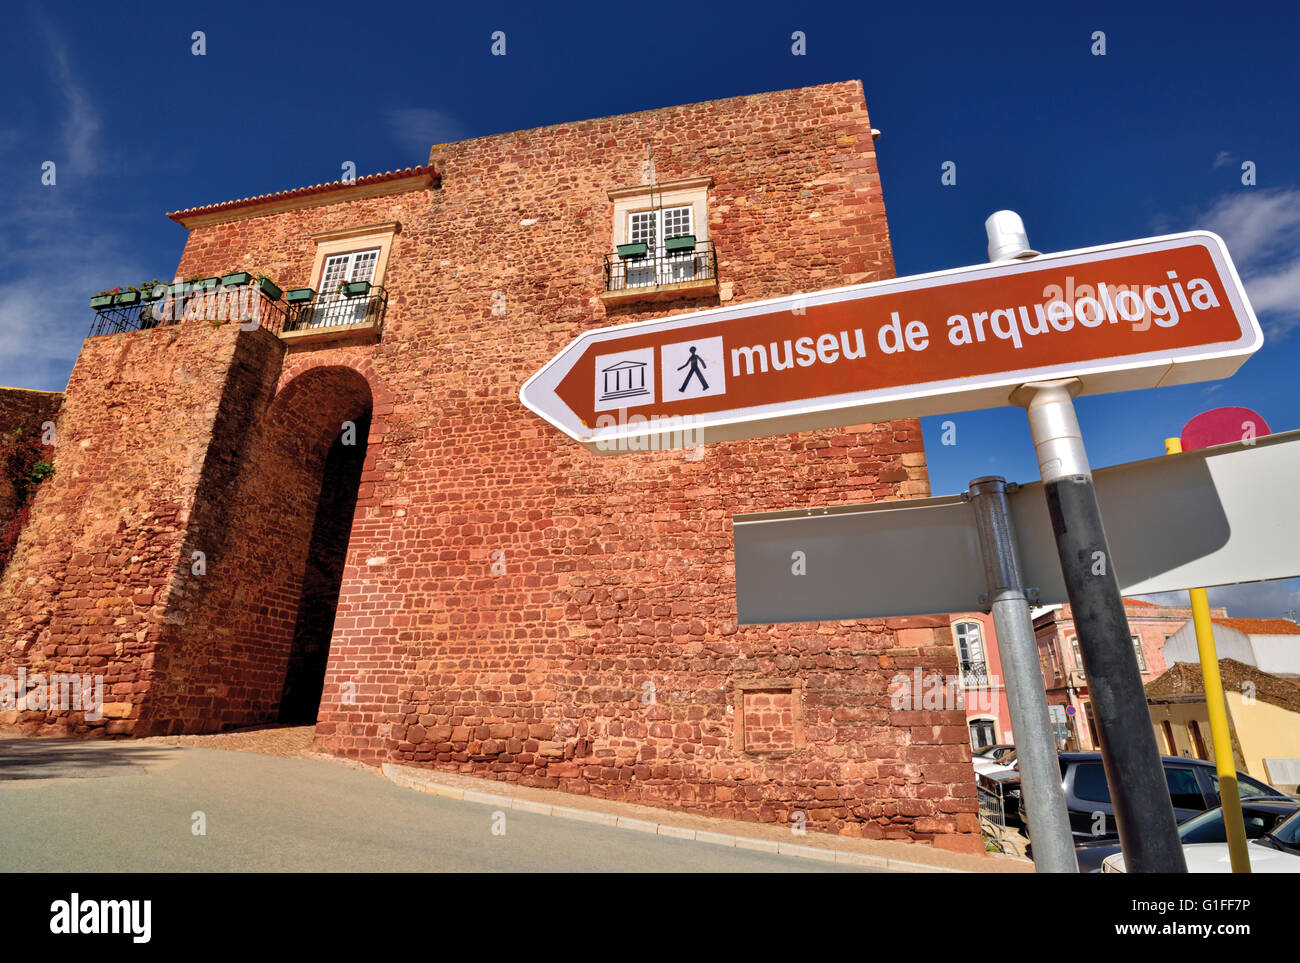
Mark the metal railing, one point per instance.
(238, 304)
(974, 673)
(658, 268)
(242, 305)
(338, 310)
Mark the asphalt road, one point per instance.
(121, 807)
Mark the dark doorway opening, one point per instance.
(305, 678)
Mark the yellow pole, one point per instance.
(1220, 737)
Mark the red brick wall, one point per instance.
(610, 573)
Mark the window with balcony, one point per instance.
(661, 246)
(970, 654)
(346, 295)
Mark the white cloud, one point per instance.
(82, 121)
(1262, 230)
(417, 129)
(1223, 157)
(1250, 600)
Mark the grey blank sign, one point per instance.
(1211, 517)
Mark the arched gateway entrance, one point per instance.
(315, 450)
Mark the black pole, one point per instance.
(1144, 813)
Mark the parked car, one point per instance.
(1261, 814)
(990, 757)
(1193, 788)
(1277, 851)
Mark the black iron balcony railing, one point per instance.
(338, 310)
(974, 674)
(241, 305)
(244, 305)
(660, 268)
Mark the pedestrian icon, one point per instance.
(693, 369)
(695, 363)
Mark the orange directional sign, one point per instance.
(1141, 314)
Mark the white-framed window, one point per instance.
(983, 732)
(654, 228)
(970, 653)
(333, 307)
(1078, 658)
(1141, 656)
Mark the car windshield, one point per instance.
(1289, 832)
(1208, 826)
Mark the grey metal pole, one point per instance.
(1144, 814)
(1040, 774)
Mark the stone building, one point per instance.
(340, 511)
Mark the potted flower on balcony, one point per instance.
(299, 295)
(103, 299)
(353, 289)
(236, 279)
(204, 284)
(269, 288)
(630, 252)
(129, 296)
(682, 244)
(152, 290)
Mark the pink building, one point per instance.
(984, 694)
(1067, 687)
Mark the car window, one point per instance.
(1247, 788)
(1183, 788)
(1090, 782)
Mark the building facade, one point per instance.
(340, 512)
(1270, 645)
(1263, 719)
(1068, 698)
(979, 667)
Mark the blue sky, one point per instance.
(1147, 139)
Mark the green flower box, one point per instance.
(300, 295)
(154, 293)
(677, 245)
(269, 288)
(629, 252)
(177, 289)
(236, 280)
(101, 301)
(126, 297)
(206, 284)
(355, 289)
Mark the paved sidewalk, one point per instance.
(296, 742)
(885, 855)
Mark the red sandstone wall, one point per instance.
(27, 410)
(88, 586)
(613, 572)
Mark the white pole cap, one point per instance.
(1007, 237)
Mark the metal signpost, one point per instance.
(1029, 329)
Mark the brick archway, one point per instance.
(318, 439)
